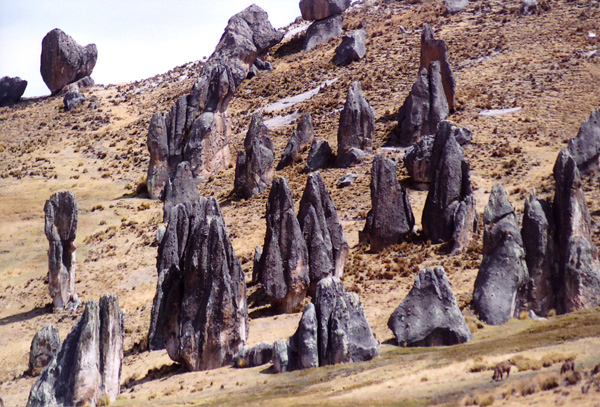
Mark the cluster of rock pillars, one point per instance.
(200, 311)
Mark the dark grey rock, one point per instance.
(350, 157)
(262, 65)
(84, 82)
(321, 9)
(300, 350)
(429, 315)
(322, 231)
(259, 355)
(390, 219)
(347, 180)
(323, 31)
(417, 160)
(253, 72)
(63, 61)
(283, 267)
(320, 156)
(61, 230)
(356, 128)
(501, 285)
(436, 50)
(529, 6)
(455, 6)
(300, 139)
(585, 147)
(73, 99)
(256, 264)
(180, 189)
(11, 90)
(351, 49)
(44, 346)
(254, 166)
(463, 135)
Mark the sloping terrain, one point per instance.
(544, 63)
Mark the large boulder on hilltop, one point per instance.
(579, 269)
(322, 31)
(356, 127)
(64, 61)
(429, 314)
(254, 166)
(390, 218)
(352, 48)
(501, 286)
(321, 9)
(11, 90)
(300, 139)
(44, 346)
(61, 230)
(585, 147)
(436, 50)
(88, 365)
(327, 246)
(300, 350)
(283, 266)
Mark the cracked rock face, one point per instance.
(352, 48)
(436, 50)
(299, 141)
(300, 350)
(61, 230)
(322, 31)
(585, 147)
(44, 346)
(429, 315)
(356, 127)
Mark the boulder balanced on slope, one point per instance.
(429, 315)
(11, 90)
(321, 9)
(501, 285)
(356, 128)
(299, 141)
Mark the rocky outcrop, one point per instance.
(300, 139)
(320, 156)
(61, 230)
(585, 147)
(254, 166)
(417, 160)
(579, 270)
(321, 9)
(351, 49)
(180, 189)
(455, 6)
(322, 231)
(259, 355)
(198, 128)
(449, 213)
(436, 50)
(501, 286)
(11, 90)
(73, 99)
(429, 315)
(88, 365)
(347, 180)
(322, 31)
(390, 219)
(63, 61)
(283, 266)
(299, 351)
(200, 313)
(44, 346)
(356, 127)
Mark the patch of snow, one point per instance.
(281, 121)
(293, 31)
(498, 112)
(294, 100)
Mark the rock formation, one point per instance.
(429, 315)
(579, 270)
(198, 128)
(356, 128)
(73, 99)
(300, 350)
(501, 285)
(11, 90)
(449, 213)
(300, 139)
(321, 9)
(352, 48)
(417, 161)
(390, 218)
(585, 147)
(180, 189)
(200, 313)
(283, 266)
(88, 365)
(44, 346)
(322, 231)
(61, 230)
(259, 355)
(455, 6)
(254, 166)
(320, 156)
(436, 50)
(322, 31)
(63, 61)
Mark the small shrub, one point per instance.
(549, 383)
(552, 313)
(98, 207)
(527, 389)
(556, 357)
(487, 401)
(573, 378)
(424, 379)
(104, 400)
(524, 315)
(523, 363)
(478, 367)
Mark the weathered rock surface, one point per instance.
(352, 48)
(88, 365)
(356, 127)
(254, 169)
(429, 314)
(327, 246)
(283, 266)
(200, 313)
(61, 230)
(390, 219)
(11, 90)
(321, 9)
(322, 31)
(259, 355)
(449, 211)
(300, 350)
(579, 270)
(44, 346)
(320, 156)
(529, 6)
(455, 6)
(436, 50)
(73, 99)
(501, 285)
(63, 61)
(300, 139)
(585, 147)
(417, 160)
(84, 82)
(540, 253)
(347, 180)
(180, 189)
(198, 128)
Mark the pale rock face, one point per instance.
(356, 127)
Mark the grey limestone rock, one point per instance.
(585, 147)
(180, 189)
(356, 128)
(11, 90)
(321, 9)
(300, 350)
(347, 180)
(417, 160)
(73, 99)
(352, 48)
(320, 156)
(436, 50)
(455, 6)
(259, 355)
(323, 31)
(44, 346)
(300, 139)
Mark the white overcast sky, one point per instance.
(136, 39)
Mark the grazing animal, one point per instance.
(568, 365)
(501, 368)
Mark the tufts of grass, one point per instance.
(523, 363)
(549, 383)
(104, 400)
(556, 357)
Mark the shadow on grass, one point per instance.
(27, 315)
(163, 372)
